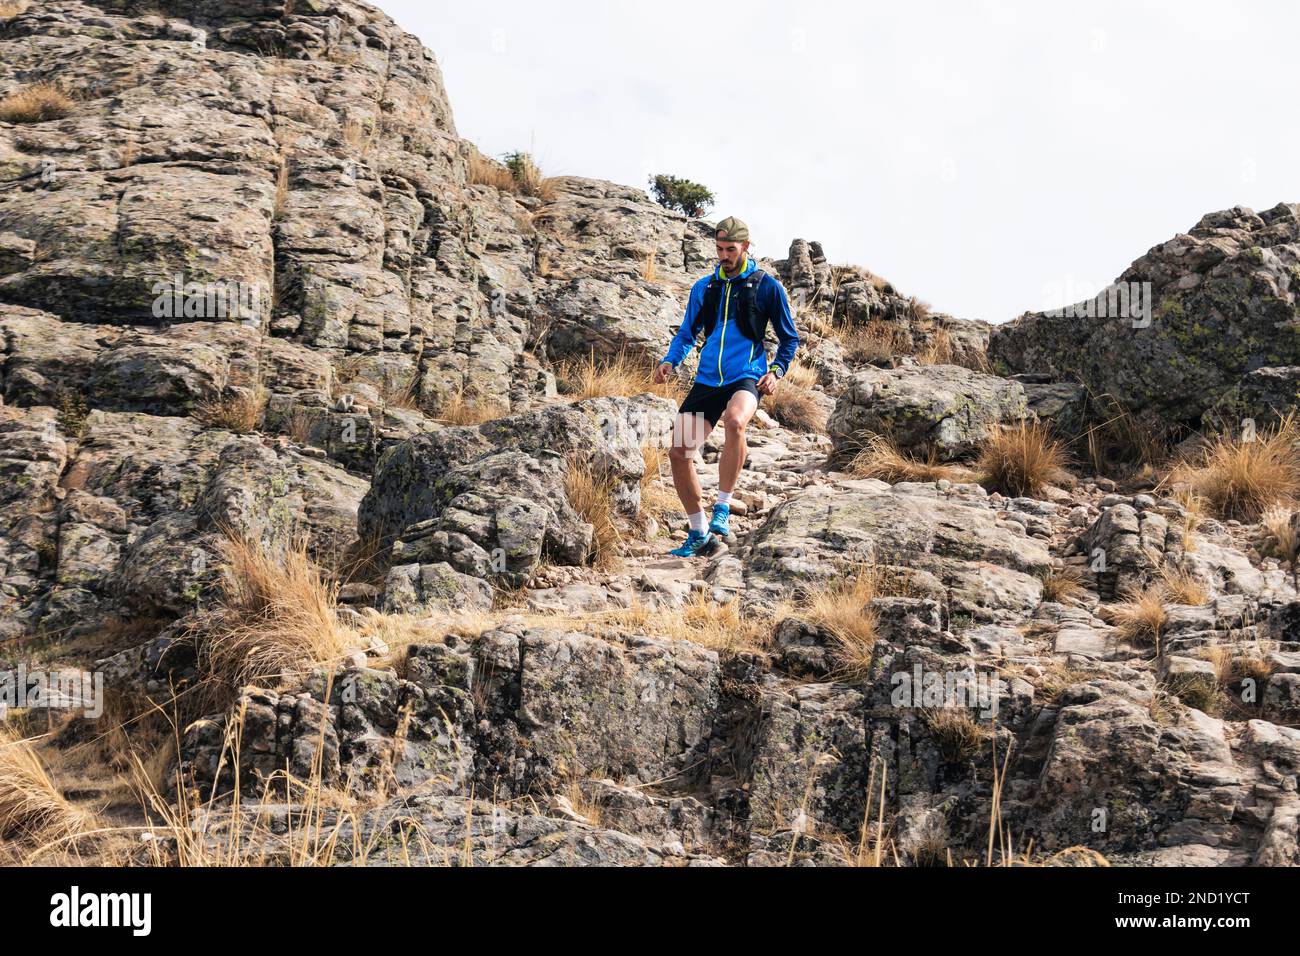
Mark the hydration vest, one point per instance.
(743, 311)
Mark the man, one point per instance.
(733, 308)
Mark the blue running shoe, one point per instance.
(721, 523)
(695, 541)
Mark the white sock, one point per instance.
(697, 521)
(724, 497)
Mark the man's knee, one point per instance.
(735, 423)
(680, 454)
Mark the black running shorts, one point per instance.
(711, 400)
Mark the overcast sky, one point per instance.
(988, 157)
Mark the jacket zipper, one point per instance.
(726, 310)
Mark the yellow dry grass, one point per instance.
(939, 351)
(1141, 617)
(1275, 523)
(957, 734)
(699, 620)
(1179, 586)
(795, 407)
(1118, 437)
(843, 609)
(461, 407)
(33, 811)
(276, 619)
(877, 341)
(239, 412)
(621, 375)
(591, 492)
(800, 375)
(486, 172)
(1062, 585)
(37, 103)
(1242, 477)
(880, 457)
(1021, 460)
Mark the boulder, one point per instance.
(946, 409)
(1212, 307)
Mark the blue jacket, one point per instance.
(727, 356)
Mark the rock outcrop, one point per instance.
(1205, 314)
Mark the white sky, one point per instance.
(987, 156)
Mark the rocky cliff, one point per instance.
(251, 279)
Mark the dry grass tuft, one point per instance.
(487, 172)
(940, 350)
(276, 619)
(365, 560)
(1140, 618)
(1062, 585)
(527, 177)
(1242, 477)
(957, 734)
(1229, 667)
(795, 407)
(462, 408)
(700, 620)
(868, 344)
(239, 412)
(13, 8)
(405, 395)
(1180, 586)
(650, 268)
(583, 801)
(33, 811)
(1194, 511)
(1280, 539)
(1021, 460)
(844, 610)
(1120, 438)
(622, 375)
(800, 375)
(37, 103)
(591, 492)
(1054, 677)
(881, 458)
(918, 310)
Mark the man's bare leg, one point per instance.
(735, 420)
(689, 434)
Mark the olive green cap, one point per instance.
(732, 229)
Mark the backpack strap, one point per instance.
(750, 323)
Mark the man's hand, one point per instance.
(767, 384)
(662, 373)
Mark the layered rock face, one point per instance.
(1210, 316)
(246, 278)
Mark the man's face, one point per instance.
(730, 254)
